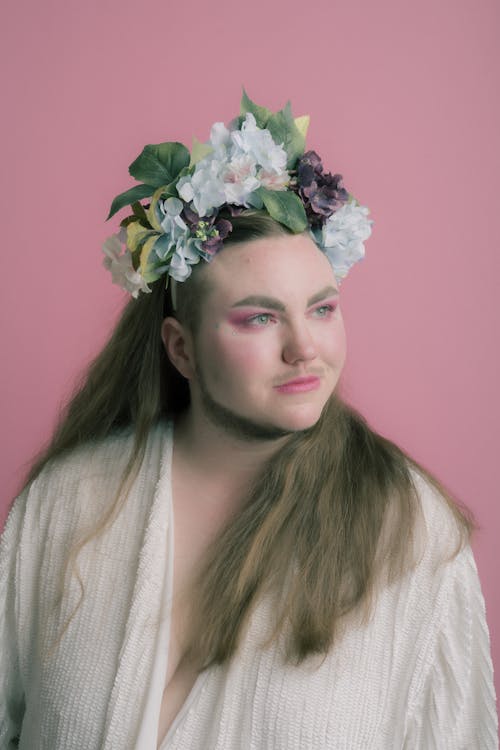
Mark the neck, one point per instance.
(216, 454)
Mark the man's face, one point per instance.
(271, 344)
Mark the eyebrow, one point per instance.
(272, 303)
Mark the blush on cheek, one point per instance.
(233, 359)
(241, 357)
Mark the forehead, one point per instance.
(288, 267)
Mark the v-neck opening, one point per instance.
(184, 709)
(132, 707)
(168, 604)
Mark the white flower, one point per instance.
(273, 181)
(240, 162)
(259, 143)
(343, 235)
(239, 180)
(220, 140)
(121, 267)
(204, 188)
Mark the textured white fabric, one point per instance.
(418, 675)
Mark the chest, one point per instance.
(196, 522)
(356, 698)
(198, 518)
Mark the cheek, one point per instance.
(334, 346)
(232, 358)
(341, 343)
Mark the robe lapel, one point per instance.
(135, 663)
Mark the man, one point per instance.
(257, 567)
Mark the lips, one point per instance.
(299, 385)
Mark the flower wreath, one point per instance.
(257, 162)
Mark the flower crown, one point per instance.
(257, 162)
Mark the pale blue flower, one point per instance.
(184, 257)
(172, 223)
(175, 230)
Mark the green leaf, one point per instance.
(128, 220)
(285, 207)
(150, 275)
(284, 130)
(160, 164)
(129, 197)
(261, 114)
(150, 272)
(139, 211)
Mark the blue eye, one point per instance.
(261, 319)
(324, 311)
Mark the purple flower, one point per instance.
(191, 217)
(308, 167)
(217, 234)
(322, 194)
(209, 231)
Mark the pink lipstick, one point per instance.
(299, 385)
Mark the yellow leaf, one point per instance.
(199, 151)
(137, 235)
(151, 211)
(302, 124)
(145, 253)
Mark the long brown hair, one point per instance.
(320, 504)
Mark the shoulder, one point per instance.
(73, 490)
(442, 527)
(79, 481)
(422, 527)
(452, 684)
(440, 578)
(99, 459)
(441, 570)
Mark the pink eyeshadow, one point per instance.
(241, 318)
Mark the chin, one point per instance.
(300, 418)
(270, 421)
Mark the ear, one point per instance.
(178, 344)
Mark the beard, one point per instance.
(234, 424)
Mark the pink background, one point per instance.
(403, 98)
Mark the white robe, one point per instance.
(418, 675)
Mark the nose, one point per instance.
(299, 345)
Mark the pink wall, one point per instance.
(404, 102)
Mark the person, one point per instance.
(216, 551)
